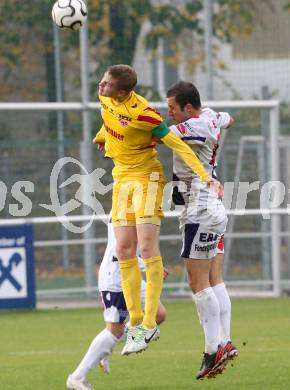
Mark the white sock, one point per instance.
(225, 311)
(209, 316)
(101, 346)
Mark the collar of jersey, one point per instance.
(117, 103)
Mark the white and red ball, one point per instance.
(70, 14)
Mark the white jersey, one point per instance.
(202, 134)
(109, 278)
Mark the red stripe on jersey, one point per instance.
(152, 109)
(149, 119)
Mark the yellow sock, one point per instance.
(131, 285)
(154, 283)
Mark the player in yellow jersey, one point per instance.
(128, 132)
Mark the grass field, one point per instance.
(38, 350)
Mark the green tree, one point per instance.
(26, 39)
(115, 27)
(26, 43)
(26, 58)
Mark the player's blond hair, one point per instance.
(125, 76)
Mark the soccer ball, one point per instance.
(70, 14)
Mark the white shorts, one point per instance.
(202, 233)
(115, 309)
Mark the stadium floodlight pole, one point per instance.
(60, 132)
(86, 158)
(208, 12)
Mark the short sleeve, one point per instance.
(191, 133)
(178, 130)
(101, 135)
(223, 119)
(148, 119)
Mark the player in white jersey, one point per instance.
(202, 222)
(115, 314)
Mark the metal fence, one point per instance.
(34, 136)
(256, 246)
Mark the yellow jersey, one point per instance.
(127, 131)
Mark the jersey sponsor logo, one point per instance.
(181, 128)
(205, 248)
(115, 113)
(114, 133)
(208, 237)
(211, 241)
(123, 122)
(186, 127)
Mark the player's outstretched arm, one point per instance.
(182, 149)
(189, 157)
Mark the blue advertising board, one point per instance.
(17, 280)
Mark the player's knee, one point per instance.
(116, 329)
(215, 280)
(215, 276)
(125, 250)
(197, 285)
(192, 282)
(148, 251)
